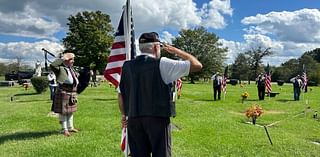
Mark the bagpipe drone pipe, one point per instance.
(84, 72)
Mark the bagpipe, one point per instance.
(84, 72)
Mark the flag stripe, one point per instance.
(118, 52)
(224, 80)
(268, 83)
(118, 45)
(268, 80)
(116, 58)
(304, 77)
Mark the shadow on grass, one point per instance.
(252, 100)
(284, 100)
(249, 122)
(101, 99)
(26, 135)
(24, 101)
(203, 100)
(25, 94)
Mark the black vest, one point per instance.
(143, 90)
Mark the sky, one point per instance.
(288, 27)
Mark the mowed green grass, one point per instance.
(206, 128)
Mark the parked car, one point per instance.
(19, 75)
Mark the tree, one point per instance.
(240, 67)
(315, 54)
(89, 38)
(255, 60)
(3, 69)
(204, 46)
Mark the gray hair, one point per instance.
(146, 47)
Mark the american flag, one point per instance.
(123, 144)
(123, 48)
(119, 51)
(268, 80)
(224, 80)
(179, 84)
(179, 87)
(304, 77)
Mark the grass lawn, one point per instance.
(206, 128)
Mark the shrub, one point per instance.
(40, 84)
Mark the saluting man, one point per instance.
(216, 83)
(260, 81)
(65, 99)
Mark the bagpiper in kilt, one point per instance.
(65, 100)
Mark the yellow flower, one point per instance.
(245, 95)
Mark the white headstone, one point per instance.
(38, 69)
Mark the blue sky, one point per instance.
(289, 27)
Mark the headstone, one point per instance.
(37, 69)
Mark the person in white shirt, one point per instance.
(145, 95)
(297, 84)
(53, 87)
(52, 84)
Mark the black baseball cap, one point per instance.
(149, 37)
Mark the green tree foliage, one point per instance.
(89, 38)
(240, 67)
(204, 46)
(255, 60)
(3, 69)
(315, 54)
(287, 70)
(294, 67)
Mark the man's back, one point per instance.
(143, 90)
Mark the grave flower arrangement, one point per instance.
(254, 112)
(244, 96)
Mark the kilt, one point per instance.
(65, 99)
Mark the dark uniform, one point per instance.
(261, 86)
(147, 102)
(217, 81)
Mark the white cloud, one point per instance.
(157, 15)
(299, 26)
(43, 18)
(234, 48)
(259, 40)
(283, 50)
(288, 34)
(27, 24)
(212, 13)
(28, 52)
(167, 37)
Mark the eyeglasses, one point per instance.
(161, 44)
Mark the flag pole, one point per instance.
(127, 34)
(127, 28)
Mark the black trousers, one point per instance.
(149, 135)
(261, 92)
(217, 90)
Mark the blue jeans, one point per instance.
(296, 93)
(52, 91)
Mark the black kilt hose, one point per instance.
(65, 100)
